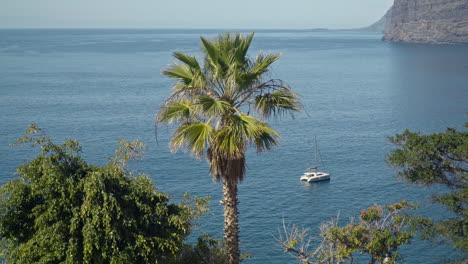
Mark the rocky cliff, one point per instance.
(433, 21)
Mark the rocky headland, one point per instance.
(428, 21)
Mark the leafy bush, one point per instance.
(64, 210)
(378, 234)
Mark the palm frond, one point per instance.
(276, 103)
(176, 111)
(181, 72)
(229, 142)
(190, 83)
(263, 63)
(245, 81)
(211, 55)
(259, 133)
(240, 130)
(214, 107)
(188, 71)
(246, 44)
(266, 139)
(226, 153)
(187, 59)
(227, 54)
(193, 137)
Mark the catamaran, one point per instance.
(312, 175)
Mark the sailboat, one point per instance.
(312, 174)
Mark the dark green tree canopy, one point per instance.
(440, 158)
(64, 210)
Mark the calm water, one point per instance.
(98, 86)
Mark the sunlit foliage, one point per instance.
(64, 210)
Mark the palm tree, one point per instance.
(211, 102)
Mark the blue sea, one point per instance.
(98, 86)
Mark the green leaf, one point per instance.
(176, 111)
(276, 103)
(213, 107)
(193, 136)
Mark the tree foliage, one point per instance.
(64, 210)
(207, 250)
(438, 159)
(378, 234)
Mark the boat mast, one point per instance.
(316, 152)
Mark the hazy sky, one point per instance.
(220, 14)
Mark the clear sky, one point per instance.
(219, 14)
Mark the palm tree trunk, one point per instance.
(231, 223)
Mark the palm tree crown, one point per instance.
(212, 102)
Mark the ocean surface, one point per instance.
(98, 86)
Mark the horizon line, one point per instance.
(175, 28)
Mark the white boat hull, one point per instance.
(315, 176)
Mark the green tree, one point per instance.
(378, 234)
(438, 159)
(211, 103)
(207, 250)
(64, 210)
